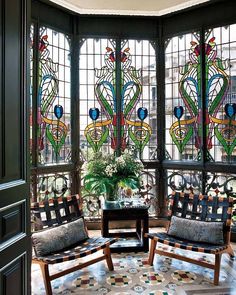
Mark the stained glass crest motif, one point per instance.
(52, 127)
(217, 83)
(184, 128)
(139, 132)
(220, 102)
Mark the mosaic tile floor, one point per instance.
(133, 275)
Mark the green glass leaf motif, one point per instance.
(227, 147)
(182, 143)
(96, 144)
(138, 143)
(56, 144)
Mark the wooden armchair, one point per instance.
(196, 207)
(55, 214)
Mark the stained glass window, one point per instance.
(113, 117)
(117, 109)
(139, 101)
(220, 44)
(54, 100)
(183, 97)
(96, 64)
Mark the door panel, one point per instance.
(12, 277)
(11, 86)
(13, 226)
(15, 247)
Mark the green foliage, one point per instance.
(103, 173)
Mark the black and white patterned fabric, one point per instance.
(60, 237)
(82, 249)
(197, 230)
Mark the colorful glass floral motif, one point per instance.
(217, 83)
(55, 130)
(138, 132)
(225, 130)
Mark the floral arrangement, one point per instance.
(104, 174)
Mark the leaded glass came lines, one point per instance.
(183, 98)
(186, 111)
(53, 116)
(220, 93)
(118, 120)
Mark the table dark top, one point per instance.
(117, 206)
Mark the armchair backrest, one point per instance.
(202, 207)
(52, 212)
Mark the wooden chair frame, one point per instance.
(47, 278)
(187, 206)
(55, 212)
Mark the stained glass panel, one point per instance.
(54, 101)
(139, 97)
(100, 101)
(183, 97)
(221, 94)
(97, 83)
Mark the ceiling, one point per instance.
(127, 7)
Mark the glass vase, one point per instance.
(113, 196)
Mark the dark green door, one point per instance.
(15, 250)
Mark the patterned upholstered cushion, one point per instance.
(196, 230)
(87, 247)
(58, 238)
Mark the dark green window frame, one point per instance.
(200, 18)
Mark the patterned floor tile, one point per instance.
(103, 290)
(142, 263)
(119, 280)
(85, 282)
(132, 275)
(133, 270)
(152, 278)
(121, 264)
(184, 276)
(139, 289)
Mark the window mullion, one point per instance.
(35, 89)
(118, 97)
(203, 96)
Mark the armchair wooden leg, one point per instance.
(152, 251)
(107, 252)
(217, 269)
(46, 278)
(230, 251)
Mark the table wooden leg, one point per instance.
(138, 228)
(105, 228)
(145, 230)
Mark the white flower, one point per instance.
(110, 170)
(120, 161)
